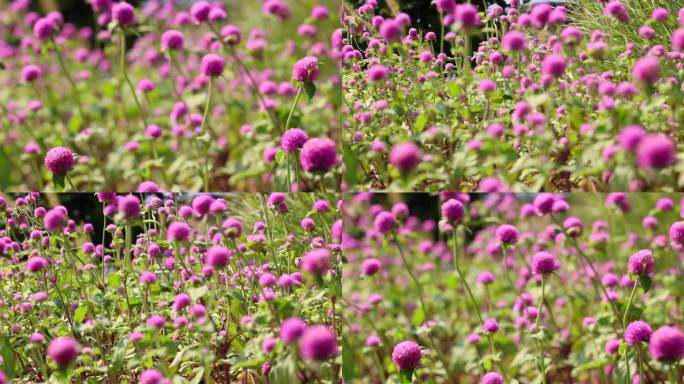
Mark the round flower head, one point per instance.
(646, 70)
(318, 155)
(292, 329)
(677, 232)
(514, 41)
(616, 9)
(377, 72)
(293, 139)
(384, 222)
(59, 160)
(318, 343)
(641, 262)
(232, 227)
(507, 234)
(178, 231)
(554, 65)
(637, 331)
(218, 256)
(172, 40)
(151, 376)
(453, 211)
(201, 204)
(485, 278)
(543, 263)
(390, 30)
(490, 326)
(656, 152)
(370, 266)
(44, 28)
(54, 219)
(406, 355)
(123, 13)
(200, 11)
(231, 35)
(305, 69)
(31, 72)
(212, 65)
(404, 156)
(63, 351)
(667, 344)
(181, 301)
(36, 264)
(630, 136)
(316, 261)
(129, 206)
(492, 378)
(467, 16)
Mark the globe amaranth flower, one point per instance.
(129, 206)
(667, 344)
(200, 11)
(318, 343)
(178, 231)
(305, 69)
(573, 226)
(492, 378)
(490, 326)
(31, 72)
(212, 65)
(151, 376)
(646, 70)
(63, 351)
(292, 329)
(316, 261)
(44, 28)
(293, 139)
(406, 355)
(637, 331)
(318, 155)
(656, 152)
(453, 211)
(514, 41)
(123, 13)
(390, 30)
(55, 219)
(218, 256)
(677, 232)
(59, 160)
(554, 65)
(485, 278)
(231, 35)
(172, 40)
(377, 72)
(404, 156)
(36, 264)
(384, 222)
(232, 227)
(507, 234)
(370, 266)
(201, 204)
(467, 16)
(616, 9)
(641, 262)
(543, 263)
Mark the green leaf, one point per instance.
(350, 164)
(310, 89)
(9, 363)
(418, 316)
(80, 314)
(623, 348)
(645, 282)
(279, 156)
(348, 363)
(406, 377)
(284, 372)
(58, 182)
(421, 122)
(196, 293)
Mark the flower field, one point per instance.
(184, 289)
(586, 97)
(210, 97)
(513, 288)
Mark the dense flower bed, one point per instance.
(186, 289)
(585, 98)
(243, 96)
(512, 288)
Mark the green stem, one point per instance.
(536, 326)
(124, 72)
(629, 303)
(207, 106)
(419, 287)
(71, 183)
(71, 81)
(294, 105)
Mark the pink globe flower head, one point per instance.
(630, 137)
(129, 206)
(63, 351)
(292, 329)
(377, 72)
(152, 376)
(544, 263)
(507, 234)
(318, 343)
(405, 156)
(677, 232)
(384, 222)
(453, 211)
(490, 326)
(212, 65)
(172, 40)
(306, 69)
(406, 355)
(293, 139)
(201, 204)
(179, 231)
(232, 227)
(467, 16)
(667, 344)
(31, 72)
(36, 264)
(319, 155)
(44, 28)
(370, 266)
(390, 30)
(485, 278)
(655, 152)
(514, 41)
(218, 256)
(59, 160)
(55, 219)
(492, 378)
(231, 35)
(316, 261)
(637, 332)
(554, 65)
(616, 9)
(646, 70)
(200, 11)
(123, 14)
(641, 263)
